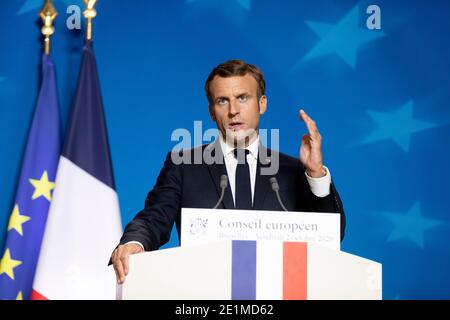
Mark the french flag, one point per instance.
(83, 225)
(256, 275)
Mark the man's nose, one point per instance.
(234, 108)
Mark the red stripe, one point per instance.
(294, 270)
(36, 295)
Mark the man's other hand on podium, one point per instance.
(120, 257)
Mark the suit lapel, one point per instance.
(217, 169)
(262, 183)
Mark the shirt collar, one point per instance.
(227, 149)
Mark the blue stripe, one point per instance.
(86, 143)
(243, 283)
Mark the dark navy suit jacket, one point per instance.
(190, 185)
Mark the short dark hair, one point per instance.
(234, 68)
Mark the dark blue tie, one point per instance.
(243, 190)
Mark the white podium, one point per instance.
(237, 269)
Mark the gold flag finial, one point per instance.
(47, 14)
(89, 13)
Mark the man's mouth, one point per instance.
(236, 125)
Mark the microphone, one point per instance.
(276, 188)
(223, 185)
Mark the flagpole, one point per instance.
(47, 14)
(89, 13)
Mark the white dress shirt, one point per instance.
(231, 164)
(320, 187)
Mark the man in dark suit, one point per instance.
(191, 178)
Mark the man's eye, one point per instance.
(221, 101)
(242, 98)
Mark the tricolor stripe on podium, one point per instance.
(256, 276)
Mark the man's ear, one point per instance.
(262, 104)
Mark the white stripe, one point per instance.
(83, 227)
(269, 270)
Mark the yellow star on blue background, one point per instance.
(411, 225)
(16, 220)
(344, 38)
(7, 264)
(42, 187)
(398, 126)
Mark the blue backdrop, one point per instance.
(381, 100)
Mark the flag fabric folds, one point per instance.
(84, 224)
(34, 192)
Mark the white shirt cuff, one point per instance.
(136, 242)
(320, 187)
